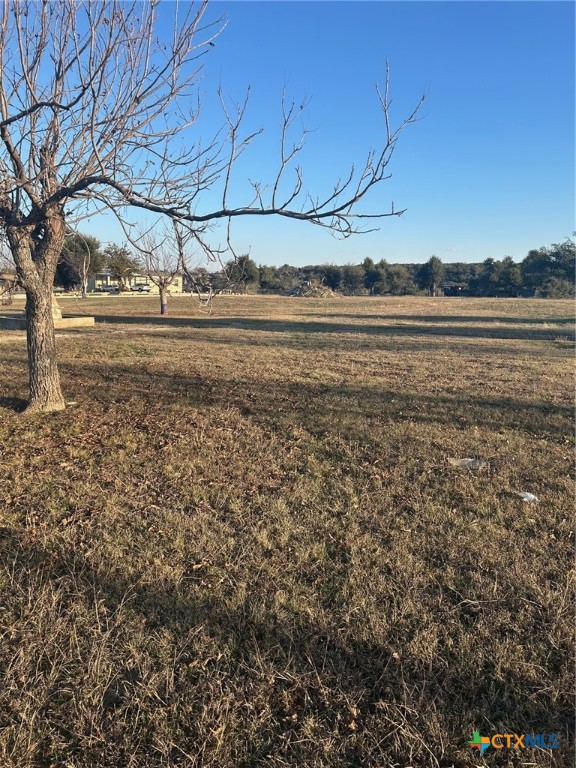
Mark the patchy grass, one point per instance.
(245, 545)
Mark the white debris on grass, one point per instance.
(469, 463)
(529, 498)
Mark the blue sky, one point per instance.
(488, 171)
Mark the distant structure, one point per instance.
(450, 289)
(103, 282)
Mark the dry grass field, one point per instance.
(246, 545)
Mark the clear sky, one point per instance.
(489, 169)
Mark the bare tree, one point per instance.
(93, 97)
(160, 259)
(193, 252)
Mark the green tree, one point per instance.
(243, 272)
(487, 280)
(556, 288)
(331, 274)
(289, 277)
(372, 275)
(198, 280)
(430, 275)
(535, 269)
(352, 280)
(563, 258)
(460, 273)
(267, 278)
(399, 280)
(121, 264)
(382, 284)
(552, 267)
(80, 259)
(509, 278)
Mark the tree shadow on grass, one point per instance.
(369, 705)
(326, 406)
(456, 318)
(411, 344)
(17, 404)
(297, 326)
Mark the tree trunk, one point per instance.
(45, 392)
(36, 250)
(163, 301)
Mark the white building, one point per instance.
(103, 282)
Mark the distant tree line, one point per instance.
(547, 272)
